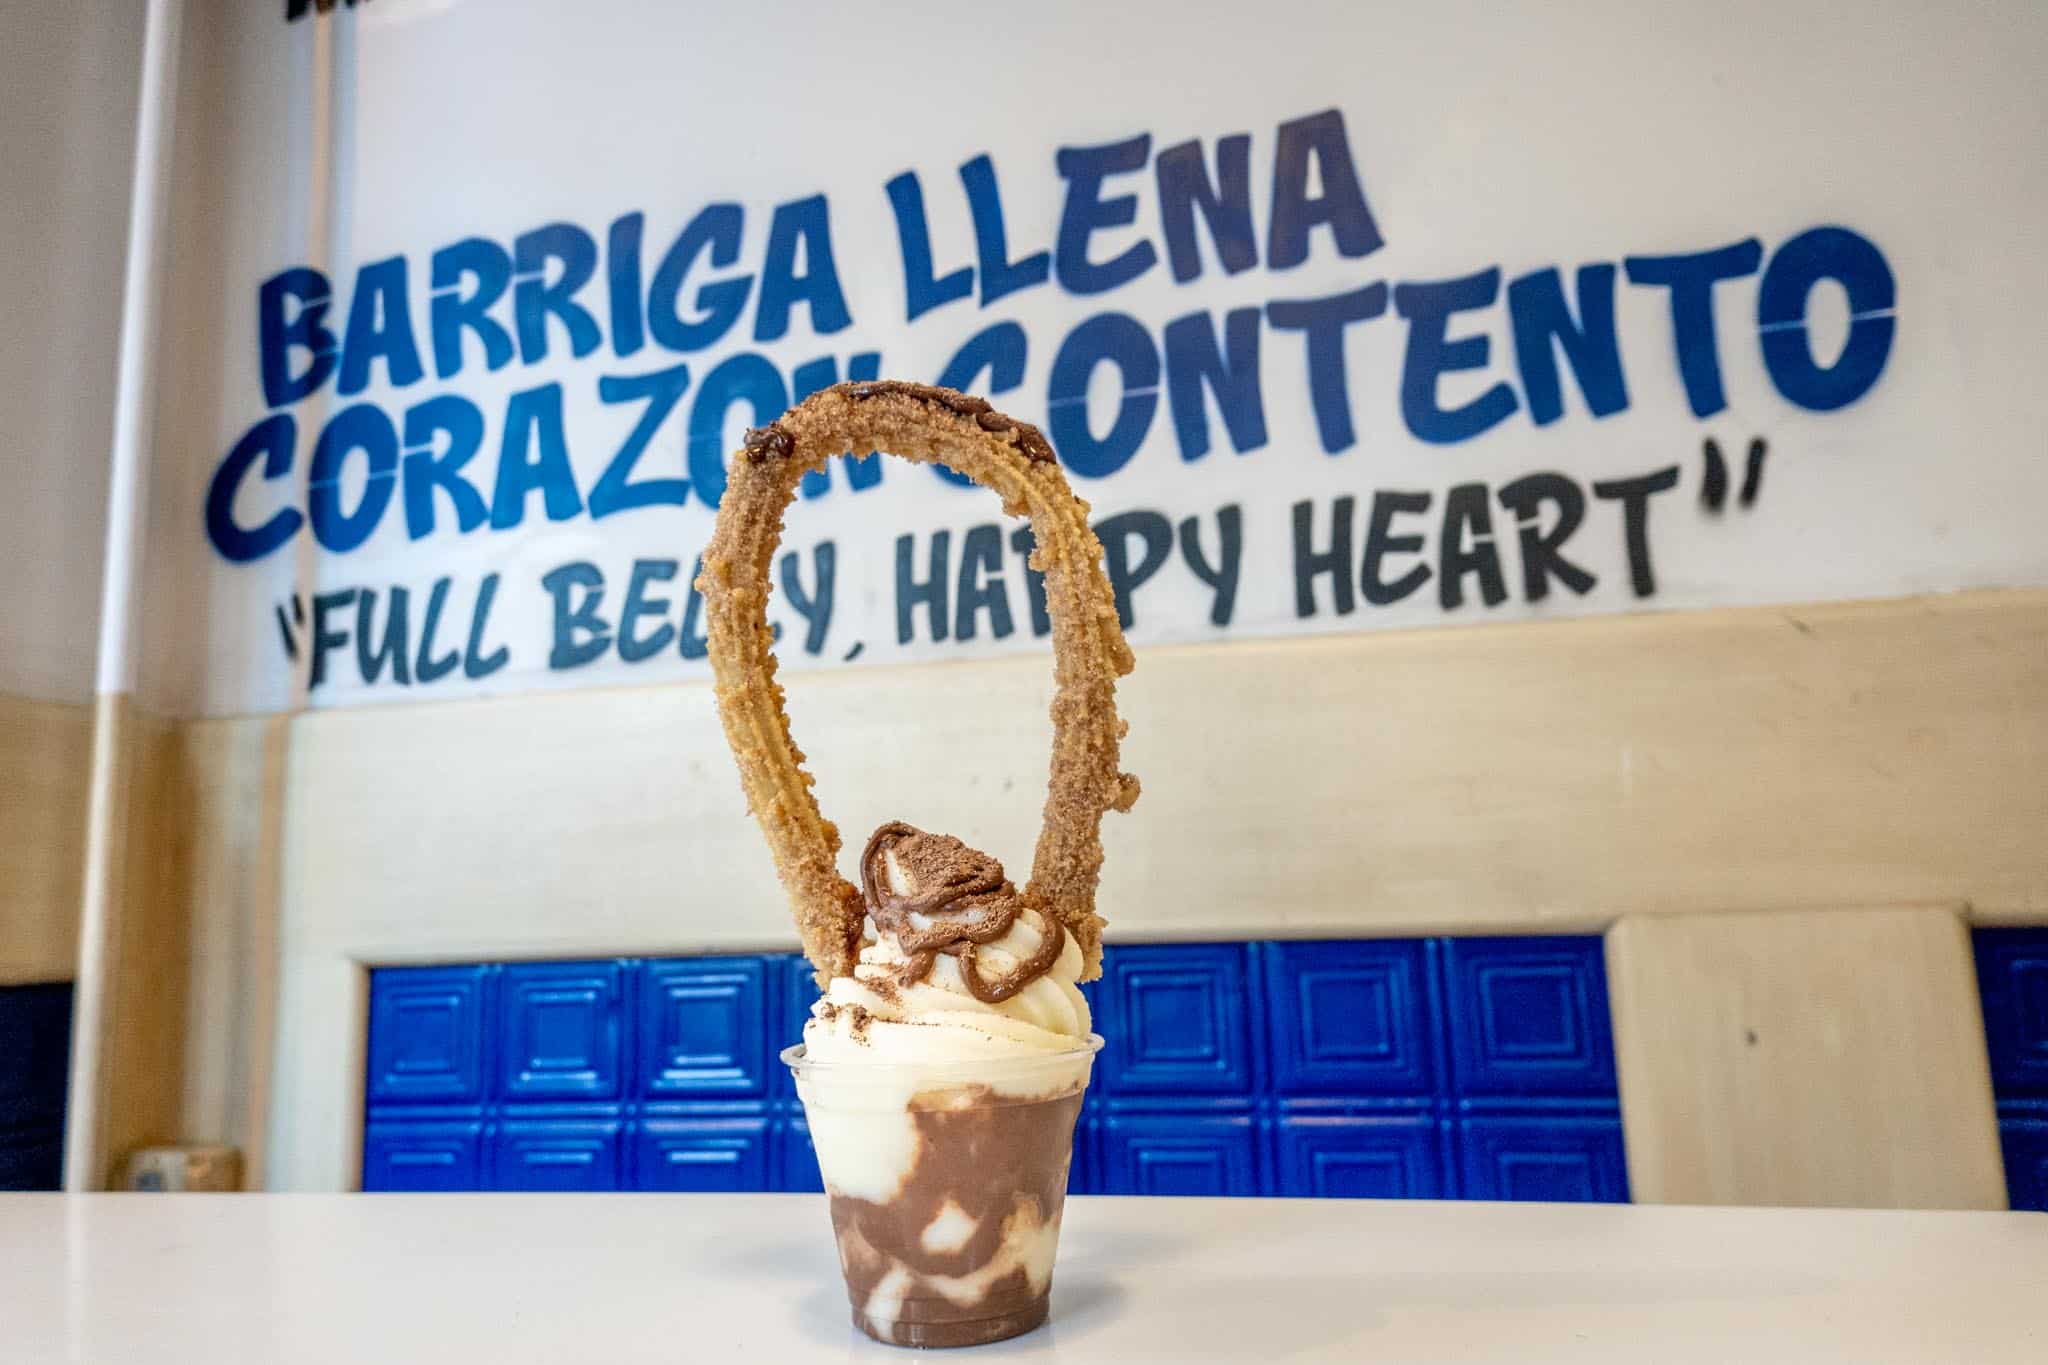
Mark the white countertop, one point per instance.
(563, 1279)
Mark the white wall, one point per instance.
(67, 103)
(1516, 137)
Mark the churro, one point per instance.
(927, 425)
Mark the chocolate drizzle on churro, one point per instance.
(774, 441)
(964, 901)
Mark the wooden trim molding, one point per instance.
(172, 1036)
(46, 757)
(127, 1031)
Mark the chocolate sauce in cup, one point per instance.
(947, 1180)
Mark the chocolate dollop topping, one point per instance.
(963, 899)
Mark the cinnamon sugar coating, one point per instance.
(927, 425)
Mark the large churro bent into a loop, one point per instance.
(927, 425)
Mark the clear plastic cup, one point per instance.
(947, 1181)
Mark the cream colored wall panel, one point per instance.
(45, 766)
(228, 784)
(1520, 777)
(314, 1139)
(1821, 1057)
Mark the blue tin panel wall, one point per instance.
(1443, 1068)
(2012, 973)
(624, 1074)
(1417, 1069)
(35, 1067)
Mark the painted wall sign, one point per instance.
(1379, 326)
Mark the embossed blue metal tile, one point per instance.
(560, 1034)
(427, 1035)
(796, 1158)
(1528, 1016)
(1350, 1018)
(799, 993)
(1174, 1017)
(556, 1154)
(32, 1159)
(1091, 991)
(704, 1027)
(1393, 1156)
(2023, 1132)
(440, 1155)
(1178, 1154)
(2012, 974)
(723, 1154)
(1563, 1159)
(1084, 1176)
(796, 991)
(35, 1064)
(1356, 1045)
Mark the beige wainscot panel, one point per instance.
(46, 760)
(1541, 777)
(228, 782)
(174, 1023)
(1523, 777)
(1829, 1057)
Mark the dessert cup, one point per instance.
(947, 1180)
